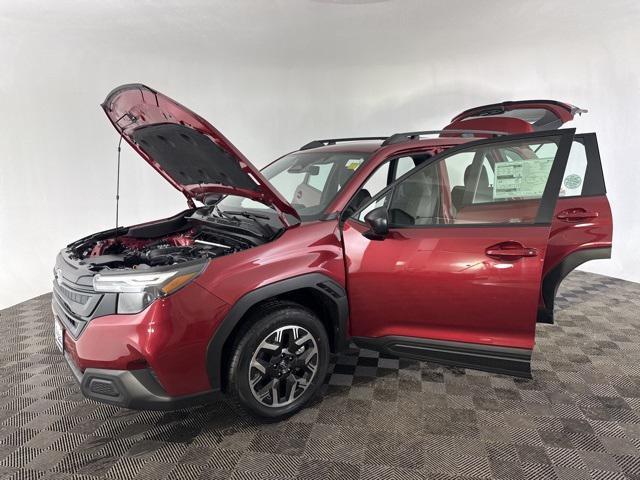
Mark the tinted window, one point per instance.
(404, 165)
(488, 184)
(377, 180)
(309, 181)
(574, 174)
(374, 184)
(387, 172)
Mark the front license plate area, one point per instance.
(58, 333)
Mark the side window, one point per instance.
(371, 187)
(386, 173)
(408, 163)
(491, 184)
(403, 165)
(574, 174)
(417, 199)
(378, 180)
(378, 203)
(460, 179)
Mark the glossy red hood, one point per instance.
(186, 149)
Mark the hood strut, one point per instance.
(118, 184)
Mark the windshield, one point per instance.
(308, 180)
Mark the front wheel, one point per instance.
(280, 360)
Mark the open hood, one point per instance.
(186, 149)
(523, 116)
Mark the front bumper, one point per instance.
(154, 359)
(135, 389)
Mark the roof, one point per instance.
(371, 146)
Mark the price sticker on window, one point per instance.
(521, 178)
(354, 164)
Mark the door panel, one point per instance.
(439, 283)
(574, 240)
(466, 275)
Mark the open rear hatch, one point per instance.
(523, 116)
(187, 150)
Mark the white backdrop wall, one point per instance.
(273, 75)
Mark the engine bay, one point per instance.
(189, 236)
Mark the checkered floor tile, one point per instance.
(378, 418)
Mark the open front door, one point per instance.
(457, 277)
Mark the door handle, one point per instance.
(575, 215)
(510, 251)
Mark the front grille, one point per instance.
(75, 297)
(74, 301)
(73, 324)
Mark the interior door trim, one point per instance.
(489, 358)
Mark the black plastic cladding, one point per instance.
(317, 281)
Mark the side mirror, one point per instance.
(378, 221)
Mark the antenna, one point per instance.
(118, 184)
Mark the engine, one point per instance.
(190, 235)
(128, 252)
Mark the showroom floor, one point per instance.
(379, 417)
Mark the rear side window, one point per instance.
(583, 176)
(574, 174)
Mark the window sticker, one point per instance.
(354, 164)
(521, 178)
(573, 181)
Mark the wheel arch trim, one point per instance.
(554, 277)
(319, 282)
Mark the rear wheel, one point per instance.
(279, 361)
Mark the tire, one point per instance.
(292, 372)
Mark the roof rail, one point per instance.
(333, 141)
(406, 136)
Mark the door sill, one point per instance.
(505, 360)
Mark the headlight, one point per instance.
(137, 290)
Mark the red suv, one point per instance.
(443, 246)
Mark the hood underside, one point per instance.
(186, 149)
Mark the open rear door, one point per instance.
(523, 116)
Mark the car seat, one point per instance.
(483, 192)
(416, 200)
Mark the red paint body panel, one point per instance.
(511, 125)
(308, 248)
(568, 237)
(438, 283)
(433, 282)
(171, 335)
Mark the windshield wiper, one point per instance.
(253, 216)
(221, 213)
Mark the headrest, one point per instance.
(483, 181)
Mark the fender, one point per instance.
(553, 279)
(321, 283)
